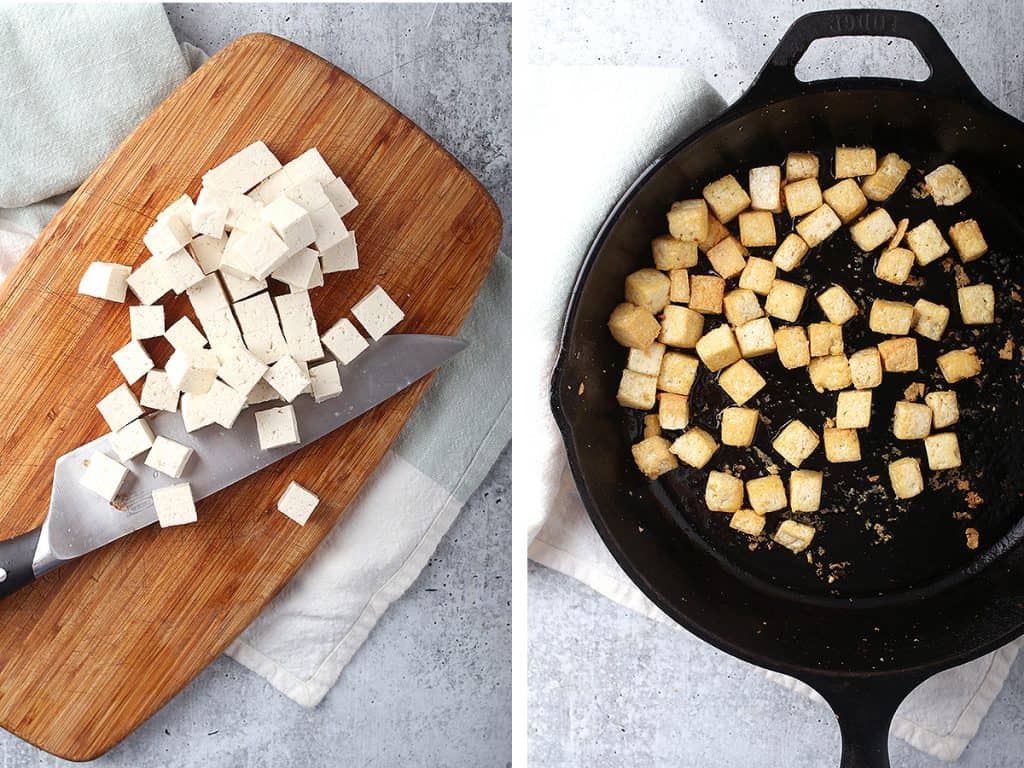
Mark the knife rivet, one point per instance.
(3, 575)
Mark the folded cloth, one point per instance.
(68, 64)
(600, 127)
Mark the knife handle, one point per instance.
(16, 556)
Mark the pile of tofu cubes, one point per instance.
(254, 219)
(667, 309)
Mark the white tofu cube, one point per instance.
(927, 242)
(240, 288)
(792, 346)
(741, 381)
(757, 229)
(790, 253)
(291, 222)
(785, 300)
(104, 280)
(243, 212)
(104, 476)
(723, 492)
(262, 393)
(726, 198)
(168, 456)
(652, 456)
(830, 373)
(648, 289)
(344, 341)
(945, 408)
(328, 228)
(758, 275)
(930, 319)
(801, 165)
(680, 327)
(646, 361)
(210, 214)
(765, 185)
(795, 442)
(678, 372)
(905, 477)
(157, 392)
(802, 197)
(747, 521)
(243, 170)
(893, 318)
(977, 304)
(302, 269)
(240, 369)
(310, 165)
(947, 185)
(866, 368)
(694, 447)
(805, 490)
(119, 407)
(207, 297)
(766, 494)
(222, 403)
(741, 306)
(943, 451)
(148, 282)
(277, 427)
(222, 330)
(259, 252)
(309, 194)
(728, 258)
(673, 410)
(794, 536)
(194, 414)
(855, 161)
(899, 355)
(180, 271)
(637, 390)
(147, 322)
(132, 439)
(174, 505)
(341, 196)
(825, 339)
(166, 237)
(739, 426)
(718, 348)
(841, 445)
(325, 381)
(299, 325)
(688, 220)
(819, 225)
(133, 361)
(886, 179)
(853, 409)
(873, 230)
(894, 265)
(968, 240)
(911, 421)
(377, 313)
(959, 364)
(706, 294)
(287, 378)
(341, 257)
(756, 337)
(838, 306)
(192, 370)
(297, 503)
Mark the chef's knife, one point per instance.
(80, 521)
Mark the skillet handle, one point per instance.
(778, 80)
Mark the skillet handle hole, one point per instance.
(833, 57)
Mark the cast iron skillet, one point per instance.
(892, 595)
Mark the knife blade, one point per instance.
(79, 521)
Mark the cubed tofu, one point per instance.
(977, 304)
(648, 289)
(899, 355)
(837, 304)
(718, 348)
(726, 198)
(728, 258)
(723, 492)
(792, 346)
(168, 456)
(757, 229)
(646, 361)
(893, 318)
(947, 185)
(911, 421)
(805, 490)
(927, 243)
(157, 392)
(785, 300)
(758, 275)
(803, 197)
(636, 390)
(297, 503)
(276, 427)
(104, 280)
(652, 426)
(945, 409)
(174, 505)
(894, 265)
(855, 161)
(717, 232)
(688, 220)
(794, 536)
(795, 442)
(905, 477)
(678, 372)
(147, 322)
(680, 327)
(132, 439)
(819, 225)
(679, 285)
(755, 337)
(830, 373)
(766, 494)
(841, 445)
(930, 319)
(959, 364)
(342, 339)
(943, 450)
(291, 222)
(119, 407)
(133, 361)
(739, 426)
(741, 381)
(873, 230)
(801, 165)
(866, 368)
(886, 179)
(325, 381)
(853, 409)
(968, 240)
(765, 184)
(633, 327)
(192, 370)
(790, 253)
(747, 521)
(901, 232)
(104, 476)
(846, 199)
(825, 339)
(242, 370)
(694, 447)
(377, 312)
(741, 306)
(653, 458)
(706, 292)
(673, 411)
(670, 253)
(243, 170)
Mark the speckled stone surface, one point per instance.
(606, 686)
(432, 684)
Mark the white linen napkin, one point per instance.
(78, 79)
(600, 127)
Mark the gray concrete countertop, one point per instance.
(608, 687)
(432, 684)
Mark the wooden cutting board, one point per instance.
(93, 648)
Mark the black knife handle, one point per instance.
(16, 556)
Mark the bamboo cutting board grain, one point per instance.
(95, 647)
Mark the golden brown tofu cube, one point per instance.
(695, 447)
(801, 165)
(911, 421)
(673, 410)
(758, 275)
(959, 364)
(741, 306)
(706, 292)
(688, 220)
(899, 355)
(846, 199)
(894, 265)
(765, 185)
(947, 185)
(757, 229)
(728, 257)
(855, 161)
(802, 197)
(943, 450)
(679, 286)
(826, 339)
(968, 240)
(741, 381)
(893, 318)
(678, 372)
(648, 289)
(805, 490)
(819, 225)
(837, 304)
(717, 232)
(718, 348)
(680, 327)
(795, 442)
(945, 408)
(853, 409)
(739, 426)
(880, 186)
(866, 368)
(830, 373)
(790, 253)
(726, 198)
(927, 242)
(646, 361)
(841, 445)
(747, 521)
(653, 458)
(785, 300)
(652, 426)
(794, 536)
(766, 494)
(637, 390)
(977, 304)
(670, 253)
(905, 476)
(792, 346)
(755, 337)
(930, 319)
(873, 230)
(632, 326)
(723, 493)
